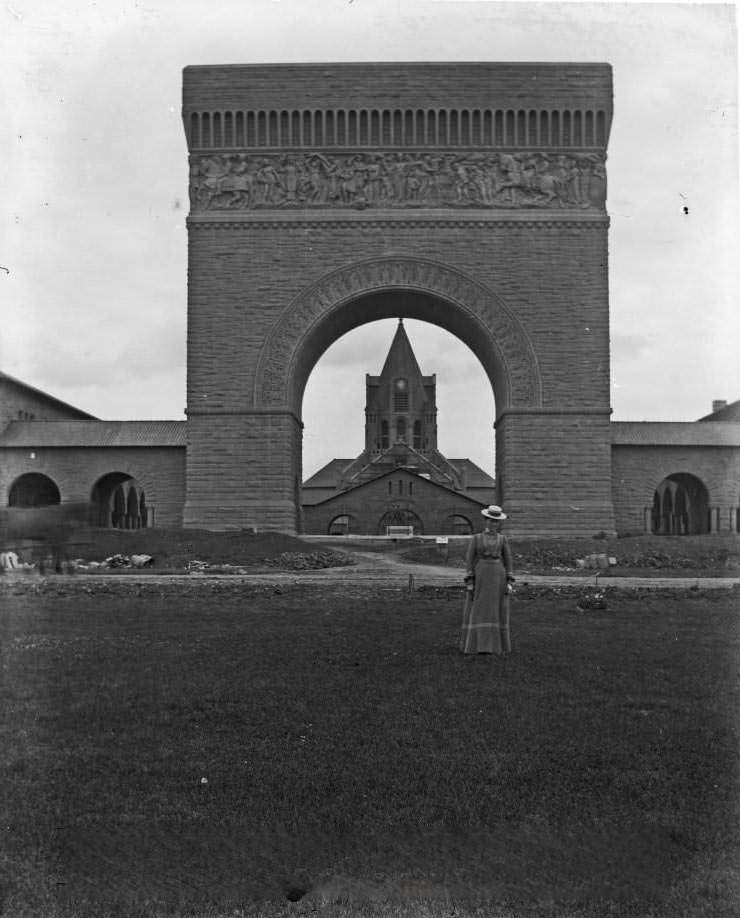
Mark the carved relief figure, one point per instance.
(397, 180)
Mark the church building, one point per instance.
(400, 478)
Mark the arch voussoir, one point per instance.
(275, 385)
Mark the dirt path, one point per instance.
(382, 570)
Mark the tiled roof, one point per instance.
(473, 474)
(344, 495)
(675, 433)
(93, 433)
(328, 475)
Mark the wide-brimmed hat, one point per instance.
(493, 513)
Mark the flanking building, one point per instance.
(325, 196)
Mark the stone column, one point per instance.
(256, 457)
(554, 472)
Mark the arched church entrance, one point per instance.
(489, 223)
(400, 516)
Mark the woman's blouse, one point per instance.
(491, 547)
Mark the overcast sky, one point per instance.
(94, 195)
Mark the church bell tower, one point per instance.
(401, 403)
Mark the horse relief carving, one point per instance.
(241, 181)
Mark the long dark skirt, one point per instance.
(485, 627)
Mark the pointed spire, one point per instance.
(401, 360)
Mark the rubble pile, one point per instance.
(206, 567)
(710, 559)
(300, 561)
(113, 562)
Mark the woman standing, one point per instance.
(489, 577)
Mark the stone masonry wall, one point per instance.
(367, 505)
(539, 255)
(550, 275)
(244, 275)
(385, 85)
(556, 477)
(75, 470)
(638, 470)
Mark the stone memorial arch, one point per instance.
(471, 196)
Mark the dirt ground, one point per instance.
(178, 550)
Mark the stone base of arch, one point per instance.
(554, 474)
(553, 468)
(243, 470)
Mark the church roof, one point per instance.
(372, 482)
(401, 456)
(38, 434)
(327, 475)
(473, 475)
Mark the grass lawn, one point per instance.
(208, 750)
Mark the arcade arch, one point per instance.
(119, 502)
(33, 490)
(680, 506)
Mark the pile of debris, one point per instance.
(9, 561)
(315, 560)
(205, 567)
(113, 563)
(599, 562)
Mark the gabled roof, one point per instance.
(343, 495)
(473, 475)
(38, 434)
(730, 412)
(39, 393)
(401, 455)
(328, 475)
(674, 433)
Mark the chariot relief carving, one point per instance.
(515, 352)
(242, 181)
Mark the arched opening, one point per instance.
(277, 428)
(344, 427)
(506, 356)
(457, 524)
(33, 490)
(680, 506)
(400, 516)
(340, 525)
(119, 502)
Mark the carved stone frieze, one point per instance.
(515, 352)
(383, 180)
